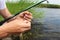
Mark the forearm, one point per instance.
(3, 32)
(5, 13)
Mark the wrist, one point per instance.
(3, 32)
(2, 29)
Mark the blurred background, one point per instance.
(46, 18)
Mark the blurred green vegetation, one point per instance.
(48, 6)
(16, 7)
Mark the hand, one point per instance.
(21, 22)
(25, 15)
(17, 25)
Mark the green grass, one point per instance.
(1, 18)
(16, 7)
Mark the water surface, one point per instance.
(51, 19)
(47, 27)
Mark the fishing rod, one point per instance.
(2, 22)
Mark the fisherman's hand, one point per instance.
(26, 15)
(21, 22)
(17, 25)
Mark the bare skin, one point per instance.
(20, 24)
(15, 26)
(5, 13)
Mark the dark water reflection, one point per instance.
(48, 27)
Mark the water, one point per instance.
(51, 20)
(48, 27)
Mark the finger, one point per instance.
(28, 16)
(26, 26)
(27, 22)
(23, 13)
(25, 29)
(28, 19)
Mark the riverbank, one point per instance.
(48, 6)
